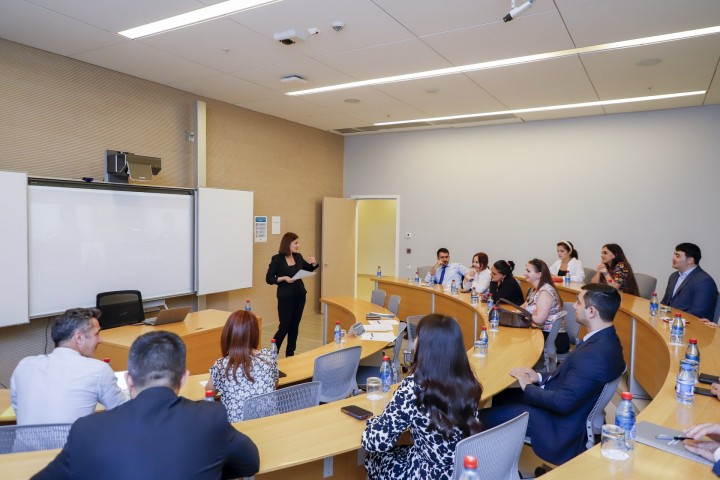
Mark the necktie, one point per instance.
(442, 274)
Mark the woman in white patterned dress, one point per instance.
(544, 302)
(243, 371)
(438, 402)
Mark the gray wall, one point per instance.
(644, 180)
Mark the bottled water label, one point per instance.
(627, 423)
(694, 358)
(684, 391)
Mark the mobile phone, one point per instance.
(703, 391)
(356, 412)
(705, 378)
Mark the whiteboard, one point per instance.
(225, 240)
(13, 249)
(89, 240)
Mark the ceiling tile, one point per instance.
(145, 62)
(694, 101)
(464, 106)
(435, 89)
(285, 107)
(386, 60)
(713, 94)
(592, 22)
(226, 88)
(552, 82)
(527, 35)
(555, 114)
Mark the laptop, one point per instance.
(169, 315)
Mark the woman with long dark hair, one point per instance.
(544, 302)
(438, 402)
(568, 262)
(503, 284)
(615, 270)
(290, 293)
(244, 370)
(478, 277)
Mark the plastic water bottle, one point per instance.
(684, 387)
(248, 307)
(209, 396)
(431, 282)
(625, 418)
(453, 288)
(417, 277)
(337, 333)
(473, 298)
(484, 336)
(693, 352)
(385, 374)
(494, 319)
(379, 272)
(490, 303)
(677, 330)
(567, 279)
(273, 348)
(654, 305)
(470, 468)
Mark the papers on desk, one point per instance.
(378, 327)
(8, 413)
(384, 337)
(203, 383)
(383, 322)
(645, 432)
(381, 315)
(302, 274)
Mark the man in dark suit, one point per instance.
(690, 289)
(156, 434)
(560, 402)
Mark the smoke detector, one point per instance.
(338, 26)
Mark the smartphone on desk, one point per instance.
(705, 378)
(703, 391)
(356, 412)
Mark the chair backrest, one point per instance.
(412, 323)
(394, 304)
(122, 307)
(497, 449)
(646, 284)
(596, 418)
(336, 373)
(30, 438)
(571, 325)
(285, 400)
(589, 274)
(716, 317)
(397, 349)
(378, 297)
(550, 348)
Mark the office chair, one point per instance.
(121, 307)
(31, 438)
(284, 400)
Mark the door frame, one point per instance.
(397, 225)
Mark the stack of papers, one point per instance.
(378, 327)
(383, 322)
(385, 337)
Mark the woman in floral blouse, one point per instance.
(615, 270)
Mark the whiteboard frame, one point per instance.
(14, 247)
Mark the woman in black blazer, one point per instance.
(290, 293)
(503, 284)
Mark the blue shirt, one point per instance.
(453, 271)
(682, 276)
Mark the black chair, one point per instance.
(122, 307)
(31, 438)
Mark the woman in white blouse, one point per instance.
(568, 263)
(478, 277)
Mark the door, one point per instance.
(338, 247)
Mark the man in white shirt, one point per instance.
(68, 383)
(444, 272)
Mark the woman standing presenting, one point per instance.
(290, 293)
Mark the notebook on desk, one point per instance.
(170, 315)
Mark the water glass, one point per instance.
(343, 336)
(480, 349)
(374, 388)
(613, 443)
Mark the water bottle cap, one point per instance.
(693, 340)
(106, 360)
(386, 358)
(654, 293)
(626, 396)
(273, 341)
(484, 328)
(209, 393)
(495, 308)
(678, 315)
(337, 323)
(470, 462)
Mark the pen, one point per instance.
(671, 437)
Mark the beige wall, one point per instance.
(376, 236)
(58, 116)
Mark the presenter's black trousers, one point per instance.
(290, 310)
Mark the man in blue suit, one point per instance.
(690, 289)
(156, 434)
(560, 402)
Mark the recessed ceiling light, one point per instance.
(670, 37)
(648, 62)
(551, 107)
(195, 16)
(352, 100)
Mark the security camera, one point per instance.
(337, 26)
(313, 31)
(515, 11)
